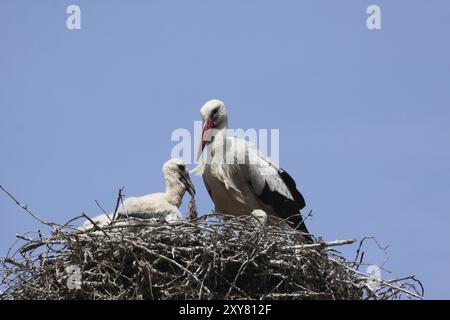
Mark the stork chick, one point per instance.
(160, 206)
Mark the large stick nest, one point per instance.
(207, 258)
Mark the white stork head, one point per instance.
(175, 171)
(260, 216)
(215, 117)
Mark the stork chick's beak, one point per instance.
(186, 180)
(207, 125)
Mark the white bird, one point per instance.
(260, 218)
(239, 179)
(160, 206)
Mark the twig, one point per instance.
(103, 210)
(119, 199)
(96, 226)
(25, 207)
(319, 245)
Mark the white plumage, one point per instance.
(159, 206)
(239, 178)
(260, 218)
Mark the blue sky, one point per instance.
(363, 115)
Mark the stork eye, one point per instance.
(214, 112)
(182, 167)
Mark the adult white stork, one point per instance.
(239, 179)
(160, 206)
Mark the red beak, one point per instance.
(207, 125)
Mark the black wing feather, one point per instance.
(287, 208)
(290, 183)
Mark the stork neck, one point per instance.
(220, 134)
(223, 124)
(216, 148)
(174, 191)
